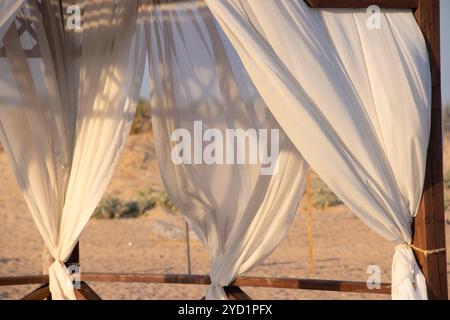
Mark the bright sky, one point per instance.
(445, 20)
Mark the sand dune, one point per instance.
(343, 246)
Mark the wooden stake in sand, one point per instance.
(310, 223)
(188, 249)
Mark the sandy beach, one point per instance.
(343, 246)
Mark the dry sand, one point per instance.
(343, 246)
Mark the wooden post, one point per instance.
(309, 219)
(188, 249)
(429, 225)
(74, 258)
(85, 292)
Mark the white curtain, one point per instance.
(239, 211)
(354, 100)
(65, 113)
(8, 10)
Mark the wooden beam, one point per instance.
(40, 293)
(384, 4)
(429, 225)
(79, 295)
(387, 4)
(236, 293)
(74, 258)
(258, 282)
(23, 280)
(86, 293)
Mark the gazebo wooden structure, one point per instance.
(428, 226)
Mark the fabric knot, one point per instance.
(215, 290)
(408, 282)
(423, 251)
(61, 282)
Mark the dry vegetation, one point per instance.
(137, 230)
(116, 208)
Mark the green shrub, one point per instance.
(447, 180)
(447, 117)
(114, 208)
(109, 208)
(156, 198)
(131, 210)
(145, 202)
(142, 120)
(322, 196)
(447, 203)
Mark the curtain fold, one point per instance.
(65, 114)
(354, 101)
(239, 212)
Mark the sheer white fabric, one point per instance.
(354, 101)
(64, 136)
(8, 10)
(239, 214)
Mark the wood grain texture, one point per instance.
(429, 224)
(236, 293)
(40, 293)
(258, 282)
(387, 4)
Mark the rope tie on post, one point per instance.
(423, 251)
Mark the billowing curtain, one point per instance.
(239, 211)
(354, 100)
(65, 111)
(8, 10)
